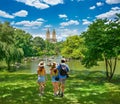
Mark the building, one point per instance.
(49, 38)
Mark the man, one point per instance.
(63, 70)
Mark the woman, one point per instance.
(54, 74)
(41, 77)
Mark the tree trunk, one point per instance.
(110, 67)
(113, 69)
(106, 64)
(8, 66)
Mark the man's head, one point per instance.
(63, 60)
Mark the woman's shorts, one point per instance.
(53, 79)
(41, 78)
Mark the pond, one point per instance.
(31, 65)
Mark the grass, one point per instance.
(82, 87)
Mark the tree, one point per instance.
(23, 40)
(38, 46)
(8, 50)
(50, 48)
(102, 40)
(6, 38)
(73, 47)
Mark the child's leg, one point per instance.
(56, 87)
(42, 87)
(53, 83)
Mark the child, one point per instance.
(54, 74)
(41, 77)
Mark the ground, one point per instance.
(82, 87)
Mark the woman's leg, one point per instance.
(42, 87)
(53, 83)
(56, 87)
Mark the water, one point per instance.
(31, 66)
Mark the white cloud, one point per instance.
(93, 7)
(5, 15)
(40, 19)
(42, 35)
(62, 16)
(41, 4)
(99, 3)
(77, 0)
(116, 8)
(112, 1)
(63, 33)
(22, 13)
(29, 23)
(86, 22)
(34, 3)
(110, 14)
(48, 26)
(71, 22)
(53, 2)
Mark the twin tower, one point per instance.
(53, 38)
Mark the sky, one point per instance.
(67, 17)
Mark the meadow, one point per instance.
(82, 87)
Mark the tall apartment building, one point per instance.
(52, 39)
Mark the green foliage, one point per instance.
(23, 40)
(38, 46)
(16, 44)
(73, 47)
(102, 40)
(8, 49)
(50, 48)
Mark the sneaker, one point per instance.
(58, 93)
(55, 94)
(40, 94)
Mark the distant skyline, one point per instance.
(67, 17)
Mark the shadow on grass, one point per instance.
(91, 87)
(82, 87)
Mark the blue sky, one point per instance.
(67, 17)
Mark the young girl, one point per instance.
(53, 74)
(41, 77)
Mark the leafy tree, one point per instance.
(73, 47)
(102, 40)
(8, 50)
(6, 38)
(38, 46)
(58, 47)
(23, 40)
(50, 48)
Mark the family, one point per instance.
(58, 74)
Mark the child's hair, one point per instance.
(54, 65)
(40, 68)
(55, 70)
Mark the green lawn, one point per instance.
(83, 87)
